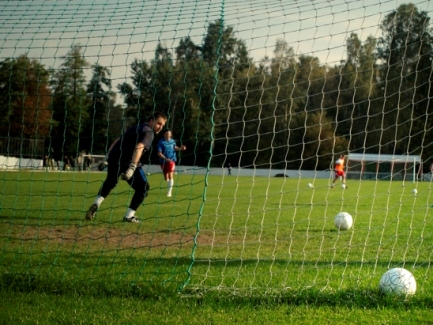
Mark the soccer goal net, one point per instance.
(265, 96)
(383, 166)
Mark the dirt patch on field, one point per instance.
(106, 237)
(110, 237)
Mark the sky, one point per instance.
(115, 32)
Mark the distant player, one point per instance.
(167, 158)
(339, 171)
(125, 160)
(229, 167)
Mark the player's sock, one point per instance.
(170, 183)
(98, 200)
(129, 213)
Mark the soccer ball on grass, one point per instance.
(397, 281)
(343, 221)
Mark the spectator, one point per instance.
(72, 162)
(65, 163)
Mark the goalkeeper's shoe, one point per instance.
(131, 219)
(90, 214)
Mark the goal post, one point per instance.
(90, 162)
(384, 166)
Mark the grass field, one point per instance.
(248, 250)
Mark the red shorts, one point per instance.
(339, 173)
(168, 167)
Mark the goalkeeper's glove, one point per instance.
(129, 172)
(103, 163)
(101, 166)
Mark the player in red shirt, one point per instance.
(339, 171)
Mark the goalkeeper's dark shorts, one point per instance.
(138, 182)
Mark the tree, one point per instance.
(70, 101)
(357, 91)
(316, 142)
(191, 88)
(405, 51)
(223, 89)
(139, 97)
(101, 102)
(25, 99)
(219, 44)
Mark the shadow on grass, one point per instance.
(105, 288)
(350, 299)
(357, 298)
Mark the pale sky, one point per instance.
(115, 32)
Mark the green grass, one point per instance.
(248, 250)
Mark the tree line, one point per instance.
(288, 111)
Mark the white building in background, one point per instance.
(20, 163)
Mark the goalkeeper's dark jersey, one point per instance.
(123, 149)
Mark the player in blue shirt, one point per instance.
(167, 158)
(125, 158)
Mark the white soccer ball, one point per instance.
(310, 185)
(414, 191)
(343, 186)
(398, 281)
(343, 221)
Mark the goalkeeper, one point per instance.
(124, 161)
